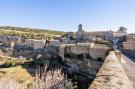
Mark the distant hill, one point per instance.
(29, 32)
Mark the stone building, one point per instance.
(130, 38)
(98, 51)
(93, 50)
(82, 36)
(121, 32)
(11, 39)
(37, 44)
(130, 42)
(54, 43)
(70, 35)
(29, 42)
(79, 33)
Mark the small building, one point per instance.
(98, 51)
(130, 38)
(37, 44)
(130, 42)
(121, 32)
(54, 43)
(29, 42)
(129, 45)
(70, 35)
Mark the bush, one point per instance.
(51, 79)
(9, 63)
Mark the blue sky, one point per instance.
(65, 15)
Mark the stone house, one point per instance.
(29, 42)
(82, 36)
(54, 43)
(37, 44)
(98, 51)
(130, 42)
(70, 35)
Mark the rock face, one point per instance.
(111, 75)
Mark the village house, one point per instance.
(37, 44)
(54, 43)
(121, 32)
(130, 42)
(29, 42)
(70, 35)
(98, 51)
(9, 39)
(82, 36)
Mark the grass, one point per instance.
(17, 73)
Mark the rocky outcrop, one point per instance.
(111, 75)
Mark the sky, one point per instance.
(65, 15)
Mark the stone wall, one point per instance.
(98, 53)
(111, 75)
(83, 49)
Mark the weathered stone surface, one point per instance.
(82, 49)
(111, 75)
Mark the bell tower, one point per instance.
(80, 27)
(79, 33)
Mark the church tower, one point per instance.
(80, 27)
(79, 33)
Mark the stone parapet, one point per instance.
(111, 75)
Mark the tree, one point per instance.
(122, 29)
(8, 83)
(52, 79)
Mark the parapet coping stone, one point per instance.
(111, 75)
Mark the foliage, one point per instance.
(29, 33)
(51, 79)
(12, 63)
(8, 83)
